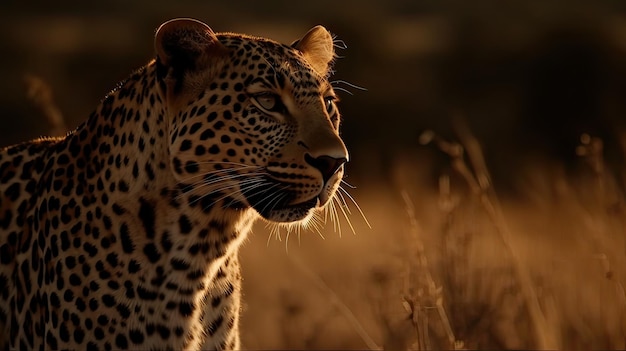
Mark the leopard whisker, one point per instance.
(222, 170)
(274, 231)
(232, 177)
(252, 187)
(341, 189)
(226, 187)
(315, 224)
(276, 200)
(247, 188)
(339, 44)
(203, 183)
(228, 163)
(289, 230)
(204, 175)
(335, 215)
(217, 171)
(344, 203)
(193, 158)
(354, 86)
(244, 186)
(344, 90)
(345, 215)
(326, 213)
(348, 184)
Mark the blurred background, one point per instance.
(487, 153)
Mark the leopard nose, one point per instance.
(328, 165)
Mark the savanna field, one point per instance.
(484, 205)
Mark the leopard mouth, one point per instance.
(305, 205)
(277, 206)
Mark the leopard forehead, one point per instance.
(267, 61)
(249, 45)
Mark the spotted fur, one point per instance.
(125, 233)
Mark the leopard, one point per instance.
(125, 233)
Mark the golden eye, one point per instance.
(269, 102)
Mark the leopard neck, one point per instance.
(125, 138)
(125, 148)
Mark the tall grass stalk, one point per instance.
(426, 294)
(478, 180)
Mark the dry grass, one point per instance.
(454, 267)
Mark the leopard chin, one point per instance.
(280, 206)
(277, 206)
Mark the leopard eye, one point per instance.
(329, 102)
(269, 102)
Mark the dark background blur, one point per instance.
(529, 76)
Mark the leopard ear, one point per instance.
(317, 47)
(186, 44)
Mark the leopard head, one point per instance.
(252, 122)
